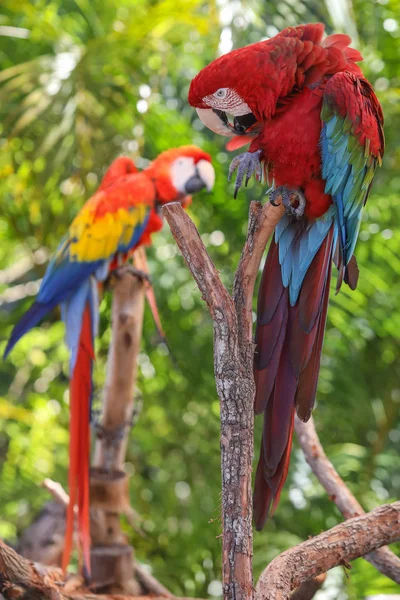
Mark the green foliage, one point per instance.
(83, 81)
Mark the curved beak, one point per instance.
(213, 122)
(204, 177)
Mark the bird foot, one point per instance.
(292, 199)
(246, 164)
(141, 275)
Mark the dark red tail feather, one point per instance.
(289, 342)
(79, 445)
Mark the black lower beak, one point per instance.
(240, 124)
(194, 184)
(243, 123)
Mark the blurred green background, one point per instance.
(83, 81)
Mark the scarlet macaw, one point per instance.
(121, 216)
(316, 126)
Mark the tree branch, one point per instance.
(111, 556)
(345, 542)
(308, 589)
(198, 260)
(263, 219)
(383, 559)
(233, 367)
(21, 579)
(57, 491)
(127, 321)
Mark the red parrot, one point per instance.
(316, 127)
(120, 216)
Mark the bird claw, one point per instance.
(292, 199)
(247, 164)
(141, 275)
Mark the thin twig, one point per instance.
(347, 541)
(150, 584)
(383, 559)
(57, 491)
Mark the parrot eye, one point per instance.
(221, 93)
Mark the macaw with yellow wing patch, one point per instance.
(121, 216)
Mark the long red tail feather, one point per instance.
(79, 445)
(289, 342)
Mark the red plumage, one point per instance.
(79, 444)
(292, 86)
(286, 367)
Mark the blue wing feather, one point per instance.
(347, 165)
(67, 282)
(299, 248)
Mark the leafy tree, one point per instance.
(82, 82)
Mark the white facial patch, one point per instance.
(207, 173)
(182, 170)
(229, 101)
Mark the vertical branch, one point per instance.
(112, 565)
(233, 367)
(263, 219)
(127, 323)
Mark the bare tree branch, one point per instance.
(308, 589)
(198, 260)
(339, 545)
(262, 222)
(57, 491)
(150, 584)
(127, 321)
(233, 367)
(21, 579)
(111, 556)
(383, 559)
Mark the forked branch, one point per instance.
(233, 360)
(383, 559)
(233, 357)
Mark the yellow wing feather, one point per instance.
(100, 229)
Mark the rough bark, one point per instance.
(383, 559)
(308, 589)
(111, 557)
(233, 367)
(127, 322)
(354, 538)
(21, 579)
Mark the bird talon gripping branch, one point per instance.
(139, 273)
(247, 164)
(292, 199)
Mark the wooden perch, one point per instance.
(127, 322)
(233, 367)
(21, 579)
(383, 559)
(300, 570)
(111, 557)
(308, 589)
(345, 542)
